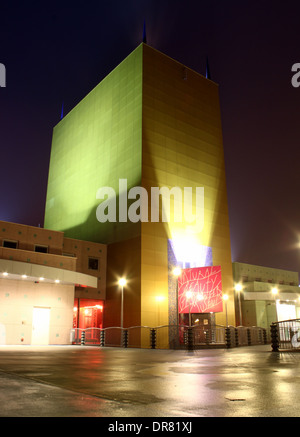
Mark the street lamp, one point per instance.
(274, 291)
(122, 283)
(225, 298)
(239, 288)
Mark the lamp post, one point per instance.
(188, 296)
(177, 273)
(275, 292)
(225, 298)
(239, 288)
(122, 283)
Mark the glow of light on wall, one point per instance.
(159, 298)
(190, 253)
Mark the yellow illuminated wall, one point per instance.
(182, 147)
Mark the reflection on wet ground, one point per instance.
(74, 381)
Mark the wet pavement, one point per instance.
(86, 381)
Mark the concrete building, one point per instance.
(152, 122)
(265, 295)
(47, 284)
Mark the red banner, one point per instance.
(200, 290)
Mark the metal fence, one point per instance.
(170, 336)
(285, 335)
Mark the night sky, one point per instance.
(57, 52)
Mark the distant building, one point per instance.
(48, 284)
(266, 295)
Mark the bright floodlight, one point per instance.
(225, 296)
(122, 282)
(177, 271)
(200, 296)
(274, 290)
(238, 287)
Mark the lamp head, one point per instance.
(122, 282)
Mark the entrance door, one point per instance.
(40, 326)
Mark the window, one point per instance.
(43, 249)
(10, 244)
(93, 263)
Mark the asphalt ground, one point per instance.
(117, 383)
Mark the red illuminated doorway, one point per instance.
(88, 316)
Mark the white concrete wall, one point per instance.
(17, 300)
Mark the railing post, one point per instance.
(190, 342)
(227, 337)
(102, 338)
(153, 338)
(125, 338)
(82, 338)
(274, 337)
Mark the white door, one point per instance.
(40, 326)
(286, 311)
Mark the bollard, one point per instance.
(207, 337)
(190, 338)
(82, 338)
(102, 338)
(274, 337)
(265, 341)
(249, 336)
(125, 338)
(153, 338)
(227, 337)
(236, 336)
(185, 340)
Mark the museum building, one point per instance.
(136, 189)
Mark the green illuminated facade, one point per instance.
(95, 145)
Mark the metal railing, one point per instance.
(285, 335)
(170, 336)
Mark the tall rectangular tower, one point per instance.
(154, 123)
